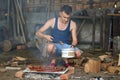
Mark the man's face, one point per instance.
(64, 17)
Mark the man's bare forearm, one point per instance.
(39, 34)
(74, 43)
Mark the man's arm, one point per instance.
(74, 34)
(47, 25)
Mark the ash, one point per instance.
(35, 76)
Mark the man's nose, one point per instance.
(66, 19)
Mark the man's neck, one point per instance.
(62, 25)
(62, 22)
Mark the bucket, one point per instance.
(68, 53)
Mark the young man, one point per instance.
(62, 30)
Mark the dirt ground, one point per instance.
(33, 57)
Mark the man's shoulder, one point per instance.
(51, 19)
(72, 22)
(72, 25)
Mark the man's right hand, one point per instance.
(48, 37)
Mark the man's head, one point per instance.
(65, 13)
(67, 9)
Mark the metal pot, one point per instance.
(68, 53)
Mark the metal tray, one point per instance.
(27, 70)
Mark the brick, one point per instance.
(96, 1)
(36, 1)
(79, 6)
(96, 5)
(57, 7)
(57, 1)
(104, 5)
(86, 6)
(111, 4)
(64, 77)
(67, 75)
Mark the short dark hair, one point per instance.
(67, 9)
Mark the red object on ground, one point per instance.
(45, 68)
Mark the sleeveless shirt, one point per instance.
(61, 35)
